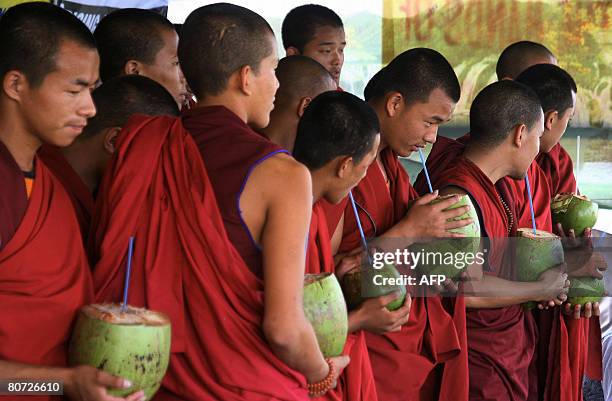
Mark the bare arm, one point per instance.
(80, 383)
(277, 206)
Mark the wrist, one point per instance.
(355, 320)
(324, 385)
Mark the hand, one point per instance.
(592, 267)
(431, 221)
(570, 240)
(349, 261)
(554, 285)
(90, 384)
(578, 310)
(340, 362)
(376, 318)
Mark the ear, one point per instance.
(550, 118)
(14, 84)
(344, 166)
(519, 135)
(292, 51)
(110, 139)
(244, 80)
(132, 67)
(304, 102)
(394, 103)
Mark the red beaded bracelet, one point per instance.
(322, 387)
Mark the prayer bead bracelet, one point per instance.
(323, 386)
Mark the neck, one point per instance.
(318, 184)
(229, 101)
(20, 142)
(282, 129)
(79, 156)
(489, 161)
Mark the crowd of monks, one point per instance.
(232, 170)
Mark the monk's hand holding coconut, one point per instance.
(554, 286)
(374, 316)
(86, 383)
(425, 219)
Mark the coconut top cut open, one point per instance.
(112, 313)
(561, 202)
(539, 235)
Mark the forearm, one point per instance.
(495, 292)
(20, 371)
(355, 321)
(299, 349)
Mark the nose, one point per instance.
(88, 108)
(431, 135)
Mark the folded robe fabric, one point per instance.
(44, 276)
(356, 383)
(158, 190)
(425, 360)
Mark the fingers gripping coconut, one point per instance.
(428, 219)
(574, 212)
(134, 345)
(536, 254)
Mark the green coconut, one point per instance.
(536, 253)
(325, 308)
(585, 289)
(575, 212)
(134, 345)
(443, 253)
(359, 285)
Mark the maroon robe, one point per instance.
(426, 360)
(356, 383)
(157, 189)
(44, 275)
(230, 150)
(559, 170)
(81, 197)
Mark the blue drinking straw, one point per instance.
(425, 170)
(364, 243)
(533, 222)
(127, 275)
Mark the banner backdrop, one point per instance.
(92, 11)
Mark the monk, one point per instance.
(555, 162)
(412, 96)
(49, 67)
(300, 80)
(81, 165)
(264, 195)
(557, 92)
(338, 154)
(299, 77)
(141, 42)
(506, 122)
(317, 32)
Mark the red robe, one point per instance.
(158, 190)
(230, 150)
(559, 170)
(80, 195)
(497, 371)
(356, 383)
(44, 275)
(427, 359)
(13, 196)
(561, 352)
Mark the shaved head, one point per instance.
(519, 56)
(219, 39)
(301, 77)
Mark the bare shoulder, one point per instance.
(282, 169)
